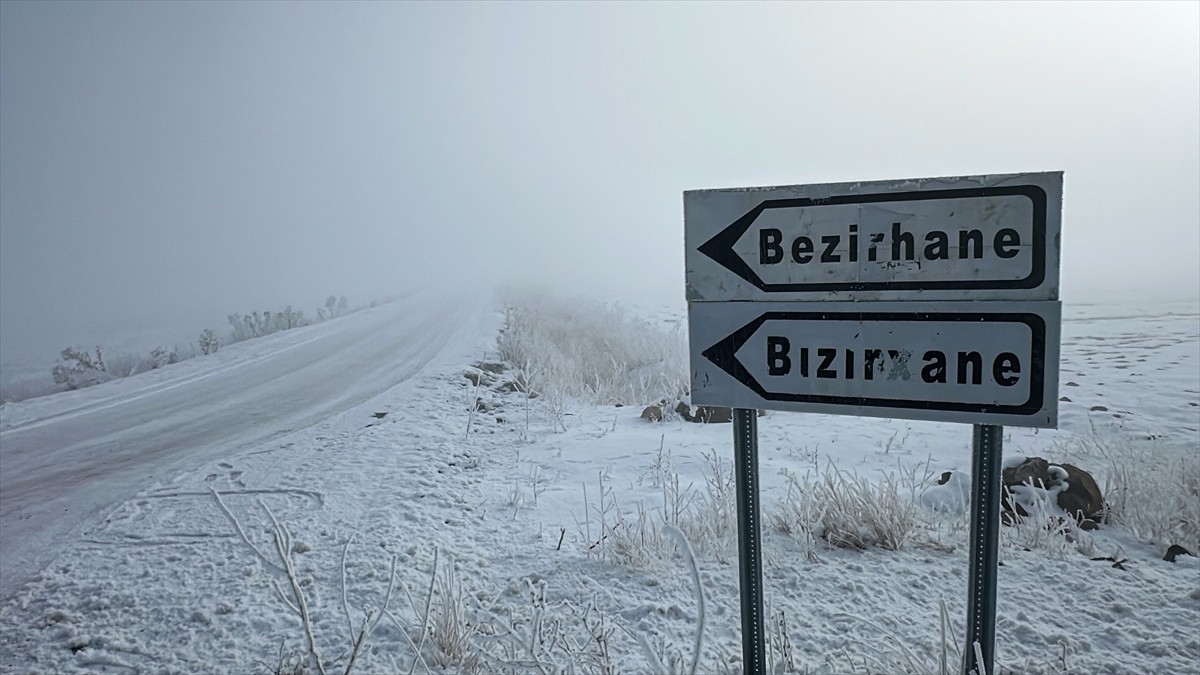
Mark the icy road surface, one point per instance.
(67, 459)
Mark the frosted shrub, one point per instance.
(334, 307)
(77, 368)
(160, 357)
(288, 319)
(592, 351)
(209, 342)
(257, 324)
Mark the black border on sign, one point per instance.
(724, 356)
(720, 247)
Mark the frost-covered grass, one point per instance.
(447, 626)
(1151, 487)
(593, 352)
(843, 510)
(705, 515)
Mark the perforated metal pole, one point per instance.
(987, 445)
(745, 449)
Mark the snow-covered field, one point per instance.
(185, 520)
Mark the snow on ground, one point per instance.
(69, 457)
(152, 575)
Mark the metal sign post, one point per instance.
(988, 445)
(745, 446)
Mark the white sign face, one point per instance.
(972, 362)
(977, 238)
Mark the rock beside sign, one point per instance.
(701, 414)
(654, 413)
(1074, 490)
(708, 414)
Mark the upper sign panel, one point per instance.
(969, 238)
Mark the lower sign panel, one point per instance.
(970, 362)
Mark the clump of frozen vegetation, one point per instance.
(257, 324)
(78, 368)
(705, 515)
(209, 342)
(844, 510)
(593, 352)
(334, 307)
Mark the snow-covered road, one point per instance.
(65, 460)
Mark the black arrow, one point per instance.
(720, 247)
(724, 355)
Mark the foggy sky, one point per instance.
(163, 164)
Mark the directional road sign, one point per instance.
(970, 238)
(864, 299)
(973, 362)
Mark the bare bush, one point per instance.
(282, 567)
